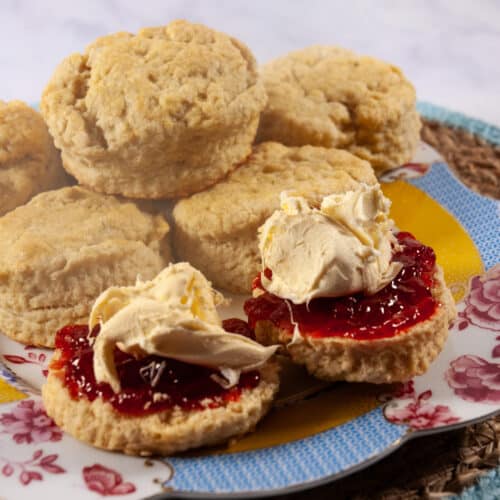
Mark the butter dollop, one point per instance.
(174, 316)
(343, 247)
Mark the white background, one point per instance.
(450, 49)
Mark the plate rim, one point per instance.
(409, 436)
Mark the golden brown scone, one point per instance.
(379, 361)
(216, 230)
(161, 114)
(62, 249)
(165, 432)
(332, 97)
(29, 161)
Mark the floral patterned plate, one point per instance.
(317, 432)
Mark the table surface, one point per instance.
(448, 48)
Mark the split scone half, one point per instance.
(348, 296)
(397, 358)
(62, 249)
(161, 375)
(332, 97)
(216, 230)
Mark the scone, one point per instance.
(29, 161)
(404, 354)
(332, 97)
(160, 114)
(59, 251)
(345, 294)
(216, 230)
(162, 381)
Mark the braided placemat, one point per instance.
(476, 162)
(444, 464)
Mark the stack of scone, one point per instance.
(160, 114)
(143, 362)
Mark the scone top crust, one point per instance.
(333, 92)
(137, 90)
(23, 134)
(251, 193)
(29, 162)
(65, 230)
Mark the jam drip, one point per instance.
(148, 385)
(405, 301)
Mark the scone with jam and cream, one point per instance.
(155, 372)
(349, 297)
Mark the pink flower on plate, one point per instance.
(106, 481)
(34, 357)
(483, 302)
(420, 414)
(474, 379)
(496, 350)
(46, 463)
(400, 390)
(28, 423)
(405, 390)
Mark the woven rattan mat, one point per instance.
(443, 464)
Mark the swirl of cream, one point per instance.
(343, 247)
(173, 316)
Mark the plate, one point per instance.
(317, 432)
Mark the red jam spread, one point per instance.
(405, 301)
(239, 326)
(148, 385)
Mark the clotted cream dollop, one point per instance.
(174, 316)
(343, 247)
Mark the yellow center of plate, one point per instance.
(416, 212)
(8, 394)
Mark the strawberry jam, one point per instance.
(405, 301)
(239, 326)
(148, 385)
